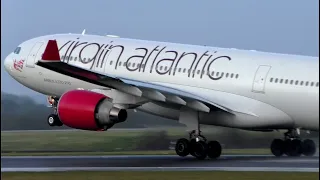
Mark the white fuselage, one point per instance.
(279, 91)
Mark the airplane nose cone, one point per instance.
(7, 64)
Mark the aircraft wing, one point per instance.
(154, 92)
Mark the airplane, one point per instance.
(91, 82)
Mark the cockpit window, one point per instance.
(17, 50)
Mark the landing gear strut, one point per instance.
(292, 145)
(53, 119)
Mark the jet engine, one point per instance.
(87, 110)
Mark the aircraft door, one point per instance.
(31, 60)
(260, 79)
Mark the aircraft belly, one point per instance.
(274, 120)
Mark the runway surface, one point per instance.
(158, 163)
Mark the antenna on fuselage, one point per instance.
(83, 32)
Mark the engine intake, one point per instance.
(88, 110)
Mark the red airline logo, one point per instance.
(18, 65)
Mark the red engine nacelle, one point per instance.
(88, 110)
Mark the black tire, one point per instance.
(58, 122)
(51, 120)
(182, 147)
(54, 120)
(296, 148)
(214, 149)
(192, 145)
(200, 150)
(308, 147)
(287, 146)
(277, 147)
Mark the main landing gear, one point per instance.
(198, 147)
(292, 145)
(53, 119)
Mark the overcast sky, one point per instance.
(284, 26)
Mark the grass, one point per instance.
(75, 140)
(160, 175)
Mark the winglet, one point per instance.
(51, 53)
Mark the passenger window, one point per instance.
(317, 84)
(271, 79)
(70, 58)
(133, 64)
(231, 75)
(129, 64)
(227, 75)
(179, 70)
(198, 72)
(301, 83)
(160, 68)
(307, 83)
(184, 70)
(312, 83)
(222, 74)
(286, 82)
(276, 81)
(111, 62)
(75, 58)
(291, 82)
(297, 82)
(212, 73)
(237, 76)
(281, 81)
(120, 63)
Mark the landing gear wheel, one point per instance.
(192, 146)
(287, 147)
(53, 120)
(309, 147)
(277, 147)
(199, 149)
(182, 147)
(296, 148)
(214, 149)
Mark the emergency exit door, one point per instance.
(260, 79)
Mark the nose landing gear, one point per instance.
(53, 119)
